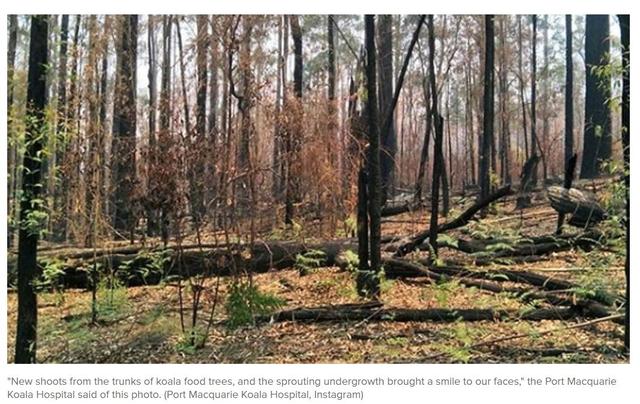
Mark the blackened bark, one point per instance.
(124, 126)
(368, 283)
(568, 93)
(62, 76)
(435, 186)
(296, 34)
(294, 134)
(331, 60)
(487, 133)
(212, 121)
(569, 174)
(245, 103)
(202, 43)
(94, 136)
(151, 76)
(200, 145)
(424, 154)
(72, 113)
(332, 106)
(363, 222)
(26, 333)
(388, 136)
(545, 97)
(470, 135)
(165, 85)
(523, 104)
(597, 125)
(625, 25)
(438, 160)
(535, 147)
(276, 162)
(505, 135)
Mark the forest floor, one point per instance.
(142, 324)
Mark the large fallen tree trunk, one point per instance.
(539, 245)
(491, 281)
(136, 266)
(407, 245)
(581, 205)
(151, 267)
(148, 267)
(405, 315)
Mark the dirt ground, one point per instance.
(142, 325)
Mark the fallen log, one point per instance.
(539, 245)
(490, 281)
(581, 205)
(144, 267)
(408, 245)
(408, 315)
(507, 275)
(397, 209)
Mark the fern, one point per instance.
(246, 301)
(309, 260)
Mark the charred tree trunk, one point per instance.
(61, 130)
(26, 332)
(72, 126)
(153, 101)
(388, 136)
(202, 43)
(568, 181)
(212, 120)
(505, 135)
(438, 169)
(424, 154)
(200, 146)
(438, 161)
(331, 61)
(368, 283)
(545, 97)
(597, 126)
(535, 146)
(332, 108)
(568, 94)
(245, 103)
(470, 131)
(294, 131)
(277, 155)
(487, 133)
(158, 189)
(526, 182)
(626, 73)
(151, 75)
(527, 151)
(94, 137)
(124, 126)
(363, 222)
